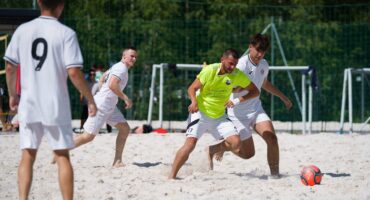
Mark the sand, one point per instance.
(344, 160)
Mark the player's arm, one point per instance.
(11, 78)
(114, 86)
(275, 91)
(196, 85)
(252, 93)
(81, 97)
(77, 79)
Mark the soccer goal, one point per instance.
(303, 105)
(4, 38)
(361, 79)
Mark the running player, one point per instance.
(47, 52)
(207, 110)
(115, 80)
(250, 115)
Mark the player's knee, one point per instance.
(270, 138)
(88, 137)
(190, 144)
(248, 154)
(123, 127)
(235, 146)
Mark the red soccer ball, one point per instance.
(311, 175)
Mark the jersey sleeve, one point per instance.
(242, 80)
(267, 70)
(118, 71)
(12, 52)
(202, 76)
(72, 52)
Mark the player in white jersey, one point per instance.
(115, 80)
(250, 115)
(47, 52)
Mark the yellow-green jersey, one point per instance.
(216, 89)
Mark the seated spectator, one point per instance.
(147, 128)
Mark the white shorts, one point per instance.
(245, 124)
(199, 123)
(59, 137)
(111, 117)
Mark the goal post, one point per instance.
(348, 92)
(5, 39)
(306, 128)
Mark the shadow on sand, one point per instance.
(335, 175)
(147, 164)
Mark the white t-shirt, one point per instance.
(44, 48)
(106, 98)
(258, 75)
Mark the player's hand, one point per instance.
(288, 103)
(128, 103)
(193, 107)
(92, 108)
(13, 102)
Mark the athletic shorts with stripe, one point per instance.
(199, 123)
(245, 124)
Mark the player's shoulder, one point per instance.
(211, 67)
(264, 63)
(66, 30)
(25, 26)
(243, 58)
(119, 67)
(238, 72)
(242, 62)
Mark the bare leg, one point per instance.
(266, 130)
(83, 139)
(182, 156)
(25, 171)
(231, 143)
(82, 123)
(246, 151)
(123, 131)
(65, 172)
(79, 140)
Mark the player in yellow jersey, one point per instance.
(207, 110)
(250, 114)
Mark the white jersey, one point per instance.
(106, 97)
(44, 48)
(258, 75)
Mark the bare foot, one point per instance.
(118, 164)
(219, 156)
(274, 169)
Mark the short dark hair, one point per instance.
(147, 128)
(231, 52)
(51, 4)
(129, 48)
(261, 42)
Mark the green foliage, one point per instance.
(328, 34)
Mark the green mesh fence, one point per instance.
(328, 36)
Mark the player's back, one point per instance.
(45, 49)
